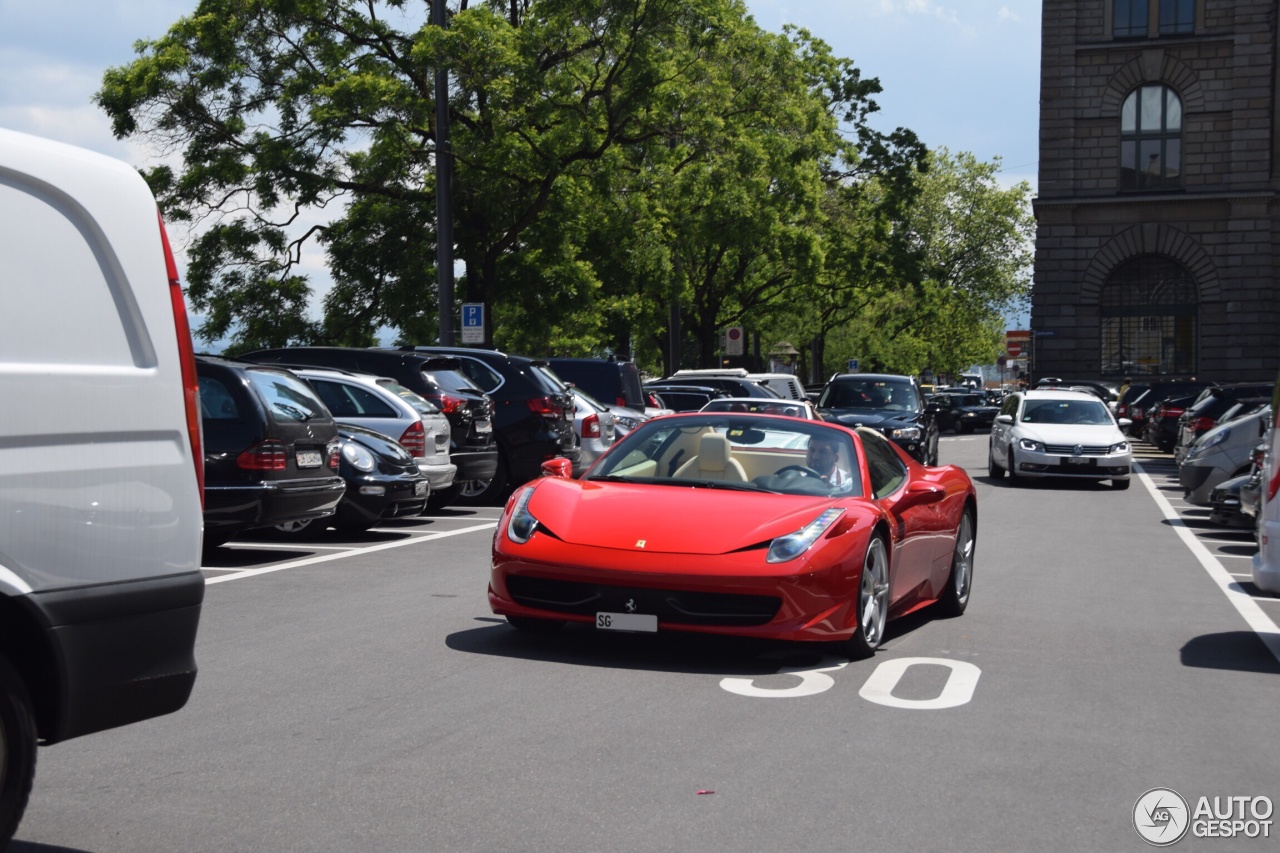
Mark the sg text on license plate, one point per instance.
(646, 622)
(309, 458)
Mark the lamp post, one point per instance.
(444, 191)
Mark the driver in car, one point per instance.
(822, 456)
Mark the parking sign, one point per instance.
(473, 322)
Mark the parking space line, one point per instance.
(286, 546)
(311, 561)
(1244, 603)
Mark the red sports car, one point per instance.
(743, 524)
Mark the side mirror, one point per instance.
(1004, 419)
(919, 494)
(1124, 422)
(558, 467)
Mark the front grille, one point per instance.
(672, 606)
(1070, 450)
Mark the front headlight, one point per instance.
(626, 423)
(1031, 445)
(360, 459)
(906, 433)
(789, 547)
(522, 525)
(1217, 439)
(1122, 447)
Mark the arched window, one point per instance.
(1148, 311)
(1151, 139)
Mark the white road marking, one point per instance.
(1244, 604)
(385, 546)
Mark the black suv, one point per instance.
(611, 382)
(270, 449)
(889, 403)
(470, 411)
(533, 414)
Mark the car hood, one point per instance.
(667, 518)
(869, 418)
(1088, 434)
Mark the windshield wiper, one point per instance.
(616, 478)
(718, 484)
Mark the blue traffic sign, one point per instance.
(473, 322)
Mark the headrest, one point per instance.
(713, 452)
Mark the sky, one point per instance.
(963, 75)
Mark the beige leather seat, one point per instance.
(713, 462)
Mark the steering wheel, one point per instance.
(803, 470)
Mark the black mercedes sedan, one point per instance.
(889, 403)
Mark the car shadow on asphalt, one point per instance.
(17, 846)
(580, 644)
(1049, 484)
(1242, 651)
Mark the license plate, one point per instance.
(309, 458)
(646, 622)
(1076, 460)
(420, 488)
(484, 427)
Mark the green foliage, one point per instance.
(612, 158)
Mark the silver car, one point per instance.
(593, 429)
(384, 405)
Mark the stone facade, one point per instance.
(1102, 301)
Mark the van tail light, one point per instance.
(1201, 424)
(266, 455)
(620, 401)
(450, 404)
(1122, 410)
(1273, 486)
(1173, 412)
(591, 426)
(546, 407)
(334, 453)
(187, 358)
(414, 439)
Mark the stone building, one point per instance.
(1158, 236)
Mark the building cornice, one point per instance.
(1161, 198)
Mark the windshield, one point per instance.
(286, 395)
(420, 404)
(870, 394)
(1089, 412)
(746, 452)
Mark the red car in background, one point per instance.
(743, 524)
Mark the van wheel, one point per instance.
(17, 751)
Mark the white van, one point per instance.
(100, 459)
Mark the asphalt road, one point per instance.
(366, 699)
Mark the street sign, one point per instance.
(1045, 333)
(853, 365)
(473, 322)
(1001, 361)
(734, 341)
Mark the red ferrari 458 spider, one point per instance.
(743, 524)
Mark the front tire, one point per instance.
(17, 751)
(955, 596)
(872, 602)
(1014, 479)
(994, 471)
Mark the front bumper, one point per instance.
(1035, 463)
(372, 498)
(1199, 476)
(737, 594)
